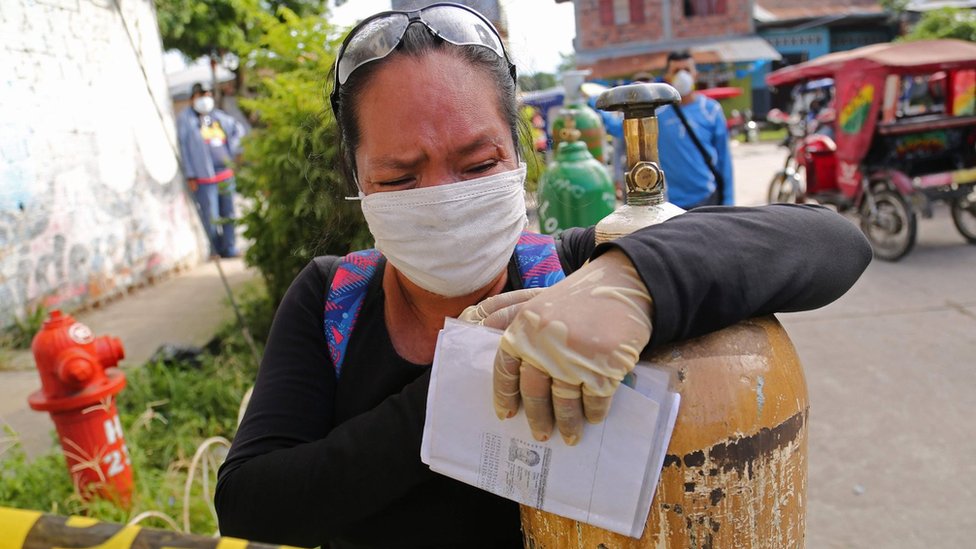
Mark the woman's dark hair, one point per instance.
(418, 41)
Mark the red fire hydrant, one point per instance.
(78, 388)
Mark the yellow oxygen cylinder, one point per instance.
(736, 468)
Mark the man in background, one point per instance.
(210, 141)
(691, 181)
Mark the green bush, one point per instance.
(290, 162)
(22, 332)
(535, 162)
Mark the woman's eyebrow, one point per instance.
(391, 162)
(476, 144)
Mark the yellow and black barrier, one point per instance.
(36, 530)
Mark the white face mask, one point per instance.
(203, 104)
(450, 239)
(683, 82)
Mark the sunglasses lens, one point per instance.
(462, 28)
(375, 40)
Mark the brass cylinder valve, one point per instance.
(569, 133)
(639, 103)
(646, 201)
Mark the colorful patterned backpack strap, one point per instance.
(346, 295)
(537, 260)
(535, 255)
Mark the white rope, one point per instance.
(244, 403)
(200, 453)
(154, 514)
(209, 464)
(214, 466)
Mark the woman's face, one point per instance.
(430, 121)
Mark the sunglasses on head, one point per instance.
(377, 36)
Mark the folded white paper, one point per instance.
(606, 480)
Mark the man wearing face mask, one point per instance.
(692, 182)
(209, 142)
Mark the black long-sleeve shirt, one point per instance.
(319, 460)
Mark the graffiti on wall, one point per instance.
(91, 198)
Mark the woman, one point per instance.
(427, 112)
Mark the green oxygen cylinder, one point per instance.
(576, 190)
(587, 121)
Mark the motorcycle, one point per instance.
(741, 123)
(809, 150)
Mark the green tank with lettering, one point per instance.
(576, 190)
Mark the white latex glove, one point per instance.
(498, 311)
(568, 348)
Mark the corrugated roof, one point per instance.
(928, 5)
(747, 48)
(180, 80)
(750, 48)
(767, 11)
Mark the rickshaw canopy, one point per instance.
(893, 58)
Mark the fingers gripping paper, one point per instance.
(608, 480)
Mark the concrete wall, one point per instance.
(91, 197)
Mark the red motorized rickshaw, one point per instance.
(902, 135)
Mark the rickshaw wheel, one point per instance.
(785, 189)
(964, 216)
(891, 227)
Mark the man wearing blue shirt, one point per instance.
(690, 181)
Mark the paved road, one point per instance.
(891, 369)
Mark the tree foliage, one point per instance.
(945, 23)
(567, 62)
(537, 81)
(290, 164)
(535, 162)
(894, 6)
(203, 27)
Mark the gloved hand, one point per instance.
(498, 311)
(568, 348)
